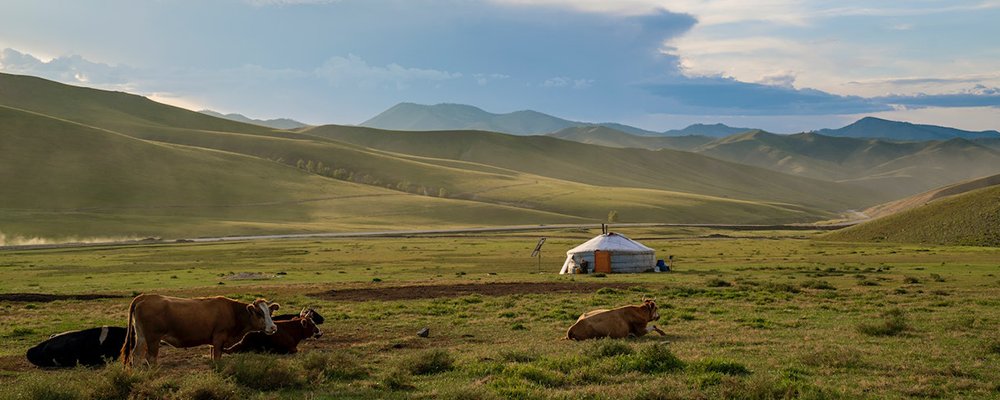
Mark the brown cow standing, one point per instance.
(285, 341)
(216, 321)
(617, 323)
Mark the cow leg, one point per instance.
(217, 345)
(140, 343)
(152, 351)
(653, 328)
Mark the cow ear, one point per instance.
(274, 306)
(250, 308)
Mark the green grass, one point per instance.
(753, 339)
(970, 219)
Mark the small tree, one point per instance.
(613, 216)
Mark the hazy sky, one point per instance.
(780, 65)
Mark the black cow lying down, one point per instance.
(90, 347)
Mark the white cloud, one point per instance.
(485, 79)
(70, 69)
(352, 70)
(563, 81)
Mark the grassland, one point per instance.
(971, 218)
(750, 315)
(87, 164)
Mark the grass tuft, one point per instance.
(338, 366)
(603, 348)
(654, 358)
(719, 366)
(894, 322)
(818, 284)
(716, 282)
(260, 371)
(428, 362)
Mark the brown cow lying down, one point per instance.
(618, 323)
(285, 341)
(216, 321)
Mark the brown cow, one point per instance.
(216, 321)
(286, 341)
(618, 323)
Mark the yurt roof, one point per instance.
(611, 242)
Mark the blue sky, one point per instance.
(781, 65)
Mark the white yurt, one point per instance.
(610, 252)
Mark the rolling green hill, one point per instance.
(87, 163)
(605, 136)
(893, 207)
(969, 219)
(597, 165)
(67, 181)
(896, 169)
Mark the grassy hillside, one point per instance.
(896, 169)
(605, 136)
(121, 168)
(893, 207)
(65, 180)
(597, 165)
(971, 219)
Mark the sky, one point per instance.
(781, 65)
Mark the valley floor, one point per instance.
(748, 315)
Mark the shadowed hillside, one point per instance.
(121, 168)
(971, 219)
(605, 136)
(896, 169)
(603, 166)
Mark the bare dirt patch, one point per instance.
(415, 292)
(47, 297)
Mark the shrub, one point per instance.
(429, 362)
(260, 371)
(911, 280)
(893, 323)
(608, 348)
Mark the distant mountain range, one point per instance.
(277, 123)
(418, 117)
(877, 128)
(439, 117)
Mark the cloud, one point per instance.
(485, 79)
(352, 70)
(977, 96)
(73, 69)
(264, 3)
(563, 81)
(726, 96)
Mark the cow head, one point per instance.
(650, 306)
(308, 324)
(260, 316)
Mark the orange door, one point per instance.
(602, 261)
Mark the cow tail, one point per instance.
(130, 333)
